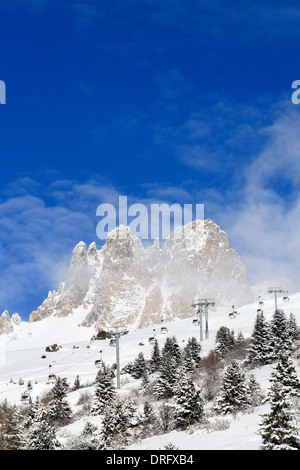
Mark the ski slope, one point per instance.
(23, 356)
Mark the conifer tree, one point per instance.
(59, 408)
(139, 366)
(255, 393)
(224, 340)
(115, 425)
(155, 357)
(260, 352)
(40, 434)
(171, 349)
(277, 429)
(191, 354)
(280, 339)
(145, 383)
(10, 429)
(164, 387)
(234, 392)
(293, 328)
(105, 391)
(187, 401)
(33, 413)
(285, 374)
(77, 383)
(149, 421)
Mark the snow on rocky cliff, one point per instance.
(126, 283)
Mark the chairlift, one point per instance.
(260, 303)
(51, 379)
(286, 298)
(196, 321)
(259, 310)
(25, 398)
(112, 342)
(98, 363)
(164, 330)
(151, 339)
(233, 313)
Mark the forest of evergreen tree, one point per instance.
(178, 389)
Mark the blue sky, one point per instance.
(182, 101)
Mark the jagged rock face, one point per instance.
(7, 323)
(124, 283)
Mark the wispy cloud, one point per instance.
(264, 225)
(38, 234)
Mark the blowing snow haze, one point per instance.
(123, 282)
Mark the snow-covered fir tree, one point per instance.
(293, 327)
(255, 394)
(155, 357)
(164, 387)
(260, 351)
(77, 383)
(277, 428)
(115, 425)
(105, 391)
(171, 349)
(285, 374)
(187, 402)
(191, 354)
(59, 408)
(10, 428)
(139, 366)
(225, 340)
(145, 384)
(280, 338)
(234, 390)
(39, 434)
(149, 424)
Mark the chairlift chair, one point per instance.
(25, 398)
(233, 313)
(98, 363)
(51, 379)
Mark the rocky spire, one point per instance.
(125, 282)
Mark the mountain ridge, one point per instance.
(124, 282)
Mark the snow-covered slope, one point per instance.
(22, 352)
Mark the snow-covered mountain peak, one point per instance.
(128, 283)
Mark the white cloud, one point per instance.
(265, 227)
(37, 238)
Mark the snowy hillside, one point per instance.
(23, 356)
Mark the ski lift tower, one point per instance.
(275, 290)
(200, 303)
(117, 331)
(197, 305)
